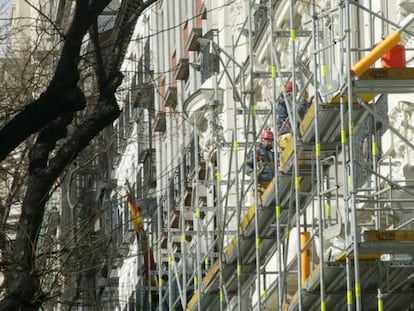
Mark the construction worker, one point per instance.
(265, 160)
(284, 124)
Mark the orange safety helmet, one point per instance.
(267, 134)
(289, 87)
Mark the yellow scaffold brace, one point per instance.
(380, 49)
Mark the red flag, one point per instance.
(135, 215)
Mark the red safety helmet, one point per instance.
(267, 134)
(289, 87)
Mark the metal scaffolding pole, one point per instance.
(159, 255)
(343, 28)
(239, 200)
(294, 130)
(321, 224)
(183, 233)
(169, 251)
(376, 196)
(219, 208)
(351, 182)
(275, 118)
(256, 195)
(199, 276)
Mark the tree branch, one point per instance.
(62, 86)
(99, 63)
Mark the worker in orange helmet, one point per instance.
(265, 160)
(283, 123)
(289, 87)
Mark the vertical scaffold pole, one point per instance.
(351, 182)
(342, 65)
(294, 130)
(219, 209)
(256, 195)
(169, 251)
(198, 277)
(238, 197)
(278, 209)
(321, 224)
(183, 234)
(159, 259)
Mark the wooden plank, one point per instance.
(211, 274)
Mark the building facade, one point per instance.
(211, 75)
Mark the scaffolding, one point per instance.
(333, 230)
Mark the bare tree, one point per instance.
(49, 116)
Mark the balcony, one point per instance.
(171, 97)
(192, 43)
(196, 104)
(143, 95)
(182, 71)
(160, 121)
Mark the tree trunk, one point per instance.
(22, 280)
